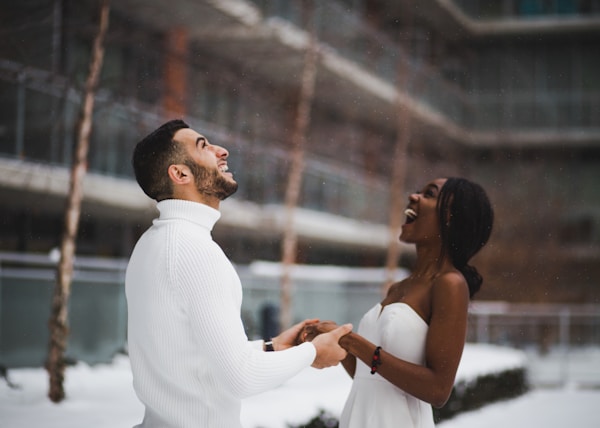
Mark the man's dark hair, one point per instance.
(152, 157)
(466, 220)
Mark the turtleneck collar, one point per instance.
(194, 212)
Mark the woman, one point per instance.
(410, 344)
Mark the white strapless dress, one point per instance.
(373, 401)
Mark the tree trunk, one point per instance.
(58, 324)
(399, 164)
(397, 197)
(292, 193)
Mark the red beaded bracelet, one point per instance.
(376, 362)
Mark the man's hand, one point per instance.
(329, 352)
(287, 339)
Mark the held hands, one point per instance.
(313, 329)
(288, 338)
(324, 335)
(329, 351)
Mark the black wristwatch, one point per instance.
(269, 346)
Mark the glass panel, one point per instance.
(8, 118)
(39, 110)
(27, 32)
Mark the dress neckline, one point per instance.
(382, 308)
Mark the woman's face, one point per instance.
(422, 219)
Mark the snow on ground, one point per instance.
(478, 360)
(102, 397)
(548, 408)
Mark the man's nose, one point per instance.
(222, 152)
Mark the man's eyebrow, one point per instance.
(199, 139)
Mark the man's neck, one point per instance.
(211, 201)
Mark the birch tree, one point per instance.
(58, 323)
(294, 183)
(406, 80)
(403, 131)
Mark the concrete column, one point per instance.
(176, 72)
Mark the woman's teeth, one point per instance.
(410, 213)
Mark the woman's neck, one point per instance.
(430, 262)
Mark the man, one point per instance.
(192, 362)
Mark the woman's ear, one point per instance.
(179, 174)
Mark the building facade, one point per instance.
(506, 93)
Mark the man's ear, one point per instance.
(179, 174)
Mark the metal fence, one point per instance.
(544, 326)
(98, 311)
(561, 342)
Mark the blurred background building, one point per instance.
(504, 92)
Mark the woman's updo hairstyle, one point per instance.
(466, 220)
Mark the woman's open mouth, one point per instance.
(411, 215)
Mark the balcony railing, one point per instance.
(347, 35)
(38, 122)
(489, 110)
(527, 9)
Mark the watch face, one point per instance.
(269, 346)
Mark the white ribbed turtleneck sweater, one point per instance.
(192, 362)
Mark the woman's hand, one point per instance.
(312, 330)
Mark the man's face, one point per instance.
(208, 164)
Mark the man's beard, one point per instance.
(211, 182)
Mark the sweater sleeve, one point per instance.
(208, 282)
(257, 344)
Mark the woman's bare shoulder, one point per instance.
(450, 285)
